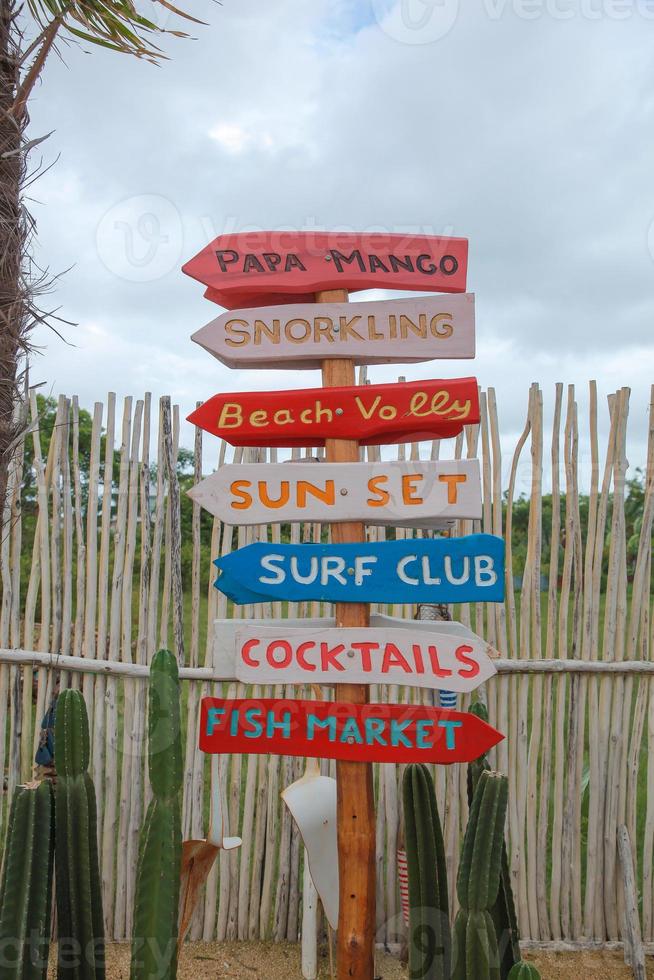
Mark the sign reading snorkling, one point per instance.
(338, 730)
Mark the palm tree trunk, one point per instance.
(14, 235)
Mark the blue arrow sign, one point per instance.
(468, 569)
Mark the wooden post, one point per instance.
(356, 805)
(634, 955)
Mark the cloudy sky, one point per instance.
(525, 126)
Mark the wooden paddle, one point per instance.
(198, 856)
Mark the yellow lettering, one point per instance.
(347, 327)
(452, 480)
(259, 418)
(323, 413)
(283, 417)
(367, 414)
(439, 327)
(418, 402)
(323, 326)
(239, 490)
(409, 490)
(262, 329)
(387, 412)
(232, 331)
(304, 488)
(231, 416)
(383, 496)
(305, 416)
(406, 324)
(372, 329)
(289, 330)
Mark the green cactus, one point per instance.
(524, 971)
(26, 892)
(154, 946)
(429, 930)
(503, 911)
(478, 881)
(79, 894)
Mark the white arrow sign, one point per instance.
(399, 493)
(392, 331)
(313, 651)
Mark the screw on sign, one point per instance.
(373, 415)
(393, 331)
(258, 268)
(398, 493)
(338, 730)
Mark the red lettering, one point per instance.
(437, 670)
(417, 657)
(329, 658)
(283, 645)
(472, 665)
(304, 664)
(393, 658)
(245, 653)
(364, 649)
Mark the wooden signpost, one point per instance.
(468, 569)
(399, 494)
(395, 331)
(343, 730)
(279, 654)
(373, 415)
(255, 272)
(259, 268)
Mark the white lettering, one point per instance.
(268, 563)
(332, 568)
(485, 573)
(360, 571)
(401, 566)
(426, 572)
(451, 577)
(305, 579)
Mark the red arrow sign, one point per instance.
(373, 414)
(257, 268)
(337, 730)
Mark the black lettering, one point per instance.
(420, 265)
(338, 259)
(226, 257)
(449, 265)
(252, 264)
(293, 261)
(272, 260)
(376, 263)
(397, 263)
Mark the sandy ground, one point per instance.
(237, 961)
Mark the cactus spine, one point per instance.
(429, 930)
(476, 950)
(154, 946)
(503, 911)
(524, 971)
(26, 896)
(79, 897)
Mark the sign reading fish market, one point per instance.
(393, 331)
(398, 493)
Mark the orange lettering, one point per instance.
(409, 490)
(304, 488)
(239, 489)
(383, 496)
(267, 501)
(452, 479)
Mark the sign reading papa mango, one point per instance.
(256, 268)
(467, 569)
(373, 414)
(339, 730)
(394, 331)
(398, 493)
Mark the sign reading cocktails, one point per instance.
(396, 331)
(328, 730)
(279, 654)
(373, 414)
(257, 268)
(468, 569)
(400, 494)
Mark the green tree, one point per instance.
(28, 36)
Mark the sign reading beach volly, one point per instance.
(277, 653)
(400, 494)
(258, 268)
(467, 569)
(339, 730)
(396, 331)
(373, 414)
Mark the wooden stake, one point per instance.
(356, 806)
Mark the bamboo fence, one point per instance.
(574, 693)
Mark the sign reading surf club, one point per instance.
(337, 730)
(372, 414)
(393, 331)
(258, 268)
(468, 569)
(400, 494)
